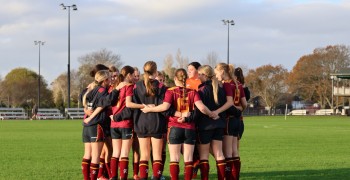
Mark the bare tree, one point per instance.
(182, 62)
(88, 61)
(211, 60)
(169, 69)
(59, 90)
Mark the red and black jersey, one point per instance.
(124, 92)
(148, 123)
(236, 92)
(182, 101)
(99, 97)
(205, 92)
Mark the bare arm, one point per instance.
(130, 104)
(204, 109)
(95, 112)
(228, 104)
(243, 103)
(160, 108)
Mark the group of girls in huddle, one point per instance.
(203, 111)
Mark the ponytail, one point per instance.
(215, 84)
(149, 69)
(239, 74)
(237, 95)
(123, 73)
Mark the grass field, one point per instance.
(301, 147)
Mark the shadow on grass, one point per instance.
(343, 173)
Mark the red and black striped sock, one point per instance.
(174, 170)
(220, 166)
(94, 170)
(85, 168)
(114, 167)
(204, 167)
(188, 170)
(143, 169)
(123, 166)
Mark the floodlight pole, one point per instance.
(228, 23)
(74, 7)
(332, 77)
(40, 43)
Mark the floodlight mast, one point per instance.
(228, 23)
(39, 43)
(74, 8)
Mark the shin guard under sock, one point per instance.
(157, 168)
(228, 169)
(174, 170)
(188, 170)
(101, 168)
(220, 165)
(94, 170)
(123, 166)
(85, 168)
(143, 169)
(114, 168)
(236, 168)
(204, 167)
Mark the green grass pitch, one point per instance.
(301, 147)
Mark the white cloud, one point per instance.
(266, 31)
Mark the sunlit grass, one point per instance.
(301, 147)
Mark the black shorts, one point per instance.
(178, 135)
(93, 133)
(241, 128)
(107, 131)
(121, 133)
(232, 126)
(205, 137)
(157, 136)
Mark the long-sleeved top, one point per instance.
(204, 122)
(99, 97)
(148, 123)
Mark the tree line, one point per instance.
(270, 86)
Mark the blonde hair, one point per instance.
(100, 76)
(209, 72)
(230, 69)
(149, 69)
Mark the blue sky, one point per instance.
(265, 31)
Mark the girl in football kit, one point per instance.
(149, 127)
(180, 130)
(210, 132)
(238, 74)
(106, 154)
(121, 126)
(236, 97)
(93, 133)
(135, 142)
